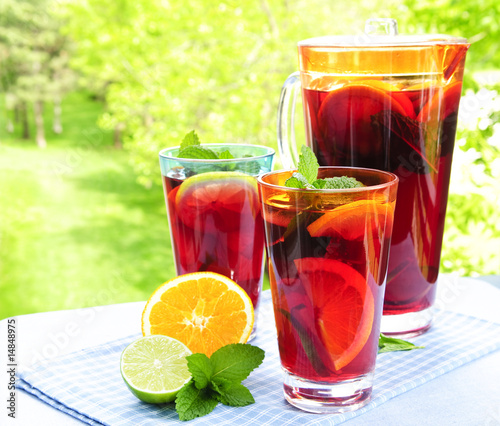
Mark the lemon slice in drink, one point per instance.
(155, 368)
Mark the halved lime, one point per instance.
(155, 368)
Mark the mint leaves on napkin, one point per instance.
(218, 379)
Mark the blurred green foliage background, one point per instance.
(91, 91)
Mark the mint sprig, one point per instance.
(218, 379)
(306, 175)
(191, 148)
(192, 402)
(190, 139)
(391, 344)
(308, 164)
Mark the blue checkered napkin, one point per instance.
(88, 385)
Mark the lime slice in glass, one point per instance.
(155, 368)
(216, 196)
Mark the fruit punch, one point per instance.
(328, 254)
(216, 225)
(406, 127)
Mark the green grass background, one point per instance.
(76, 229)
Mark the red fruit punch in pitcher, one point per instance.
(389, 102)
(380, 126)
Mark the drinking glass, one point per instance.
(327, 251)
(214, 213)
(390, 102)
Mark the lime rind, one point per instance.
(155, 368)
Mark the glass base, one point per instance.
(327, 398)
(253, 334)
(407, 325)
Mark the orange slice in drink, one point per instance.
(203, 310)
(346, 112)
(354, 220)
(395, 91)
(344, 304)
(379, 84)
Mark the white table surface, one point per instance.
(469, 395)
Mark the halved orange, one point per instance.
(354, 220)
(203, 310)
(344, 306)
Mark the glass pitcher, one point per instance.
(386, 101)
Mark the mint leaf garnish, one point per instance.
(201, 369)
(235, 362)
(218, 379)
(341, 182)
(251, 167)
(319, 183)
(306, 175)
(191, 139)
(191, 402)
(297, 181)
(391, 344)
(307, 170)
(194, 151)
(191, 148)
(225, 155)
(308, 164)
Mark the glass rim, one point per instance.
(394, 180)
(270, 152)
(364, 41)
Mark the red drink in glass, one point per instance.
(328, 254)
(215, 215)
(218, 227)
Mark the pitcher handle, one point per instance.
(287, 146)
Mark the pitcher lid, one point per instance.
(382, 33)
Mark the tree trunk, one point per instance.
(117, 135)
(10, 126)
(23, 112)
(148, 120)
(272, 22)
(56, 123)
(40, 131)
